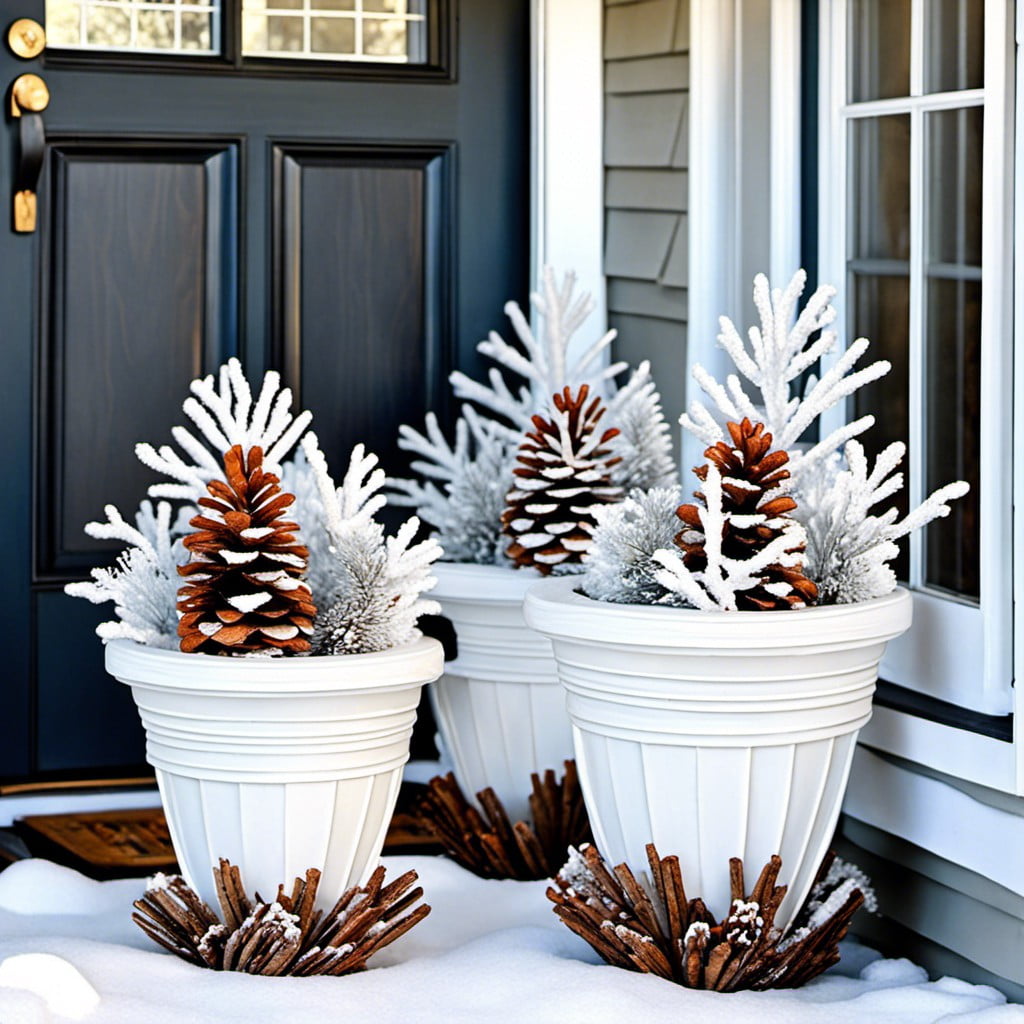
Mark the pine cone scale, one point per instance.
(562, 474)
(244, 590)
(755, 515)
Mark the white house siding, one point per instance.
(646, 83)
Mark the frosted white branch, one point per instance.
(780, 350)
(143, 583)
(222, 414)
(849, 547)
(716, 586)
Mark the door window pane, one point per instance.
(954, 45)
(878, 54)
(952, 333)
(392, 31)
(139, 26)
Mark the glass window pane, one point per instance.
(879, 309)
(336, 36)
(142, 26)
(155, 30)
(365, 30)
(879, 197)
(952, 332)
(385, 37)
(878, 279)
(954, 45)
(878, 49)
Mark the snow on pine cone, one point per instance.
(755, 515)
(244, 591)
(562, 473)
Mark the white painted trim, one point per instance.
(785, 141)
(744, 170)
(14, 807)
(567, 139)
(957, 752)
(954, 652)
(938, 818)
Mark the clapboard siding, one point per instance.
(647, 74)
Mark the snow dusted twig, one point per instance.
(849, 547)
(780, 352)
(717, 586)
(372, 599)
(223, 414)
(545, 363)
(144, 582)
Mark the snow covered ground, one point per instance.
(489, 952)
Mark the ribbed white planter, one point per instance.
(716, 735)
(277, 764)
(499, 706)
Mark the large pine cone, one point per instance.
(561, 476)
(245, 590)
(750, 469)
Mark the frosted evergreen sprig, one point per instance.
(143, 584)
(781, 351)
(372, 599)
(620, 565)
(462, 494)
(223, 414)
(848, 546)
(644, 442)
(715, 588)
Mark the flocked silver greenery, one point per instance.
(460, 489)
(367, 586)
(849, 544)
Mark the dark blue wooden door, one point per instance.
(357, 226)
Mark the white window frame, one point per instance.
(955, 651)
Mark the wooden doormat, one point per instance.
(120, 844)
(103, 844)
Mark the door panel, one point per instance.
(314, 220)
(365, 354)
(142, 243)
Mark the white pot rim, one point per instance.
(420, 660)
(483, 583)
(556, 608)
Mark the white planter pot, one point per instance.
(499, 706)
(716, 735)
(277, 764)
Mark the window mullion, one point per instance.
(917, 46)
(917, 440)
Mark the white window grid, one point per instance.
(133, 8)
(359, 16)
(956, 651)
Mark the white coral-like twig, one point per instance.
(848, 546)
(544, 364)
(223, 414)
(143, 584)
(372, 600)
(715, 588)
(781, 350)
